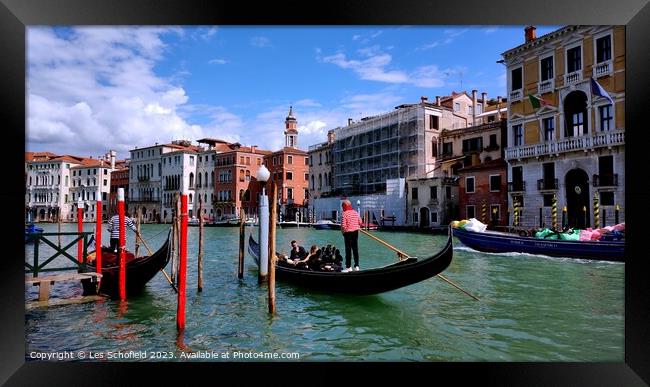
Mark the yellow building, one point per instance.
(565, 137)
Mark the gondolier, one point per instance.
(114, 228)
(350, 224)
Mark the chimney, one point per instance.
(113, 154)
(424, 99)
(474, 92)
(498, 108)
(437, 100)
(530, 33)
(253, 148)
(349, 121)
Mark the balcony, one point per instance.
(565, 145)
(146, 199)
(602, 69)
(546, 86)
(608, 180)
(491, 147)
(572, 78)
(546, 184)
(515, 95)
(143, 178)
(517, 186)
(433, 202)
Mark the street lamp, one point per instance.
(263, 175)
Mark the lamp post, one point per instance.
(263, 175)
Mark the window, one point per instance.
(607, 198)
(495, 212)
(573, 59)
(289, 175)
(433, 192)
(289, 193)
(517, 135)
(447, 149)
(306, 176)
(414, 193)
(473, 144)
(415, 217)
(434, 217)
(448, 192)
(495, 183)
(248, 175)
(577, 124)
(516, 79)
(575, 113)
(493, 141)
(549, 128)
(105, 182)
(259, 161)
(471, 211)
(469, 184)
(469, 110)
(433, 122)
(518, 199)
(604, 49)
(434, 148)
(548, 200)
(456, 106)
(289, 159)
(241, 175)
(191, 160)
(66, 180)
(605, 117)
(479, 109)
(310, 161)
(546, 66)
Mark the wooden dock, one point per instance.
(45, 282)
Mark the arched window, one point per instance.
(248, 175)
(190, 198)
(312, 181)
(199, 178)
(241, 194)
(191, 180)
(320, 182)
(575, 114)
(206, 179)
(241, 175)
(211, 177)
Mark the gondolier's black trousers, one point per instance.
(115, 243)
(351, 243)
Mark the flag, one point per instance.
(597, 89)
(537, 102)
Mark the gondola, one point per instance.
(31, 232)
(368, 281)
(139, 270)
(501, 242)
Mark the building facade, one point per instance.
(320, 168)
(178, 177)
(119, 179)
(568, 139)
(483, 192)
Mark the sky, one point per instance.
(91, 89)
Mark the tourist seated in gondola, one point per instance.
(331, 259)
(312, 261)
(297, 252)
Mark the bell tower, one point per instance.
(291, 130)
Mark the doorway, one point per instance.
(424, 217)
(577, 198)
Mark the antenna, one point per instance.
(460, 72)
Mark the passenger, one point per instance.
(297, 252)
(311, 261)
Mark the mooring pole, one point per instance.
(98, 236)
(59, 227)
(200, 257)
(263, 235)
(240, 266)
(271, 251)
(182, 265)
(177, 229)
(122, 246)
(80, 228)
(138, 221)
(616, 214)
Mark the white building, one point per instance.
(178, 176)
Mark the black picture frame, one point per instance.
(15, 15)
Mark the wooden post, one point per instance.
(616, 214)
(604, 217)
(240, 271)
(554, 213)
(80, 228)
(138, 221)
(98, 237)
(177, 228)
(596, 211)
(584, 210)
(564, 217)
(200, 258)
(122, 243)
(59, 227)
(182, 265)
(272, 193)
(541, 220)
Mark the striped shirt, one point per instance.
(114, 225)
(351, 221)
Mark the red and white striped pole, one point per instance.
(122, 245)
(80, 228)
(182, 266)
(98, 235)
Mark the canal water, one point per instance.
(532, 308)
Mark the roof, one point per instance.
(492, 164)
(287, 149)
(539, 40)
(39, 156)
(69, 158)
(93, 163)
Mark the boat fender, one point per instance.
(523, 233)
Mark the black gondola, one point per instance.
(368, 281)
(139, 270)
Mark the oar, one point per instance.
(403, 254)
(163, 270)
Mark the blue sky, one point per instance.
(92, 89)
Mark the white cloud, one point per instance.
(372, 68)
(356, 37)
(260, 41)
(218, 61)
(491, 30)
(94, 89)
(307, 102)
(427, 46)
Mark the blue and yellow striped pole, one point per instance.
(596, 211)
(515, 213)
(554, 213)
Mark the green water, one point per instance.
(532, 308)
